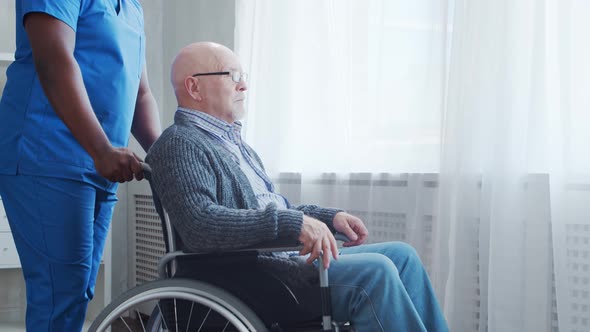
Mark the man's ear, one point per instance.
(192, 87)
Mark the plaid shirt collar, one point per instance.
(213, 125)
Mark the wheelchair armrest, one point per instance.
(268, 246)
(284, 245)
(274, 246)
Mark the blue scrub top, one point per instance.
(110, 50)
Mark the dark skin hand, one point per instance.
(53, 42)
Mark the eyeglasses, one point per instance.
(236, 76)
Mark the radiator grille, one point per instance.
(384, 226)
(578, 265)
(149, 244)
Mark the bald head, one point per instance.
(206, 93)
(195, 58)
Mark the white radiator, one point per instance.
(394, 207)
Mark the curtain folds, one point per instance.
(459, 126)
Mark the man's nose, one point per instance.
(242, 86)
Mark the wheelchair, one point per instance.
(219, 291)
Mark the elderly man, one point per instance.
(219, 197)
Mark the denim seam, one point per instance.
(363, 292)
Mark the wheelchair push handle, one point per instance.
(147, 170)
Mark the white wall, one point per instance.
(190, 21)
(12, 291)
(7, 27)
(7, 40)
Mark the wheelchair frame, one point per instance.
(223, 302)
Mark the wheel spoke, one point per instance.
(225, 327)
(175, 315)
(124, 322)
(204, 319)
(163, 318)
(140, 320)
(190, 315)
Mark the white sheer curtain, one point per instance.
(344, 85)
(490, 96)
(517, 103)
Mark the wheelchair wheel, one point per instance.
(177, 305)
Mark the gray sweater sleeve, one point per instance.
(206, 206)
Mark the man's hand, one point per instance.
(352, 227)
(119, 165)
(317, 239)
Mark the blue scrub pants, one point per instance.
(384, 287)
(59, 228)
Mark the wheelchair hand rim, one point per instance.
(181, 293)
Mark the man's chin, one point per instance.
(239, 114)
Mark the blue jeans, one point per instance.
(384, 287)
(59, 228)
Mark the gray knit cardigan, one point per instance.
(210, 200)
